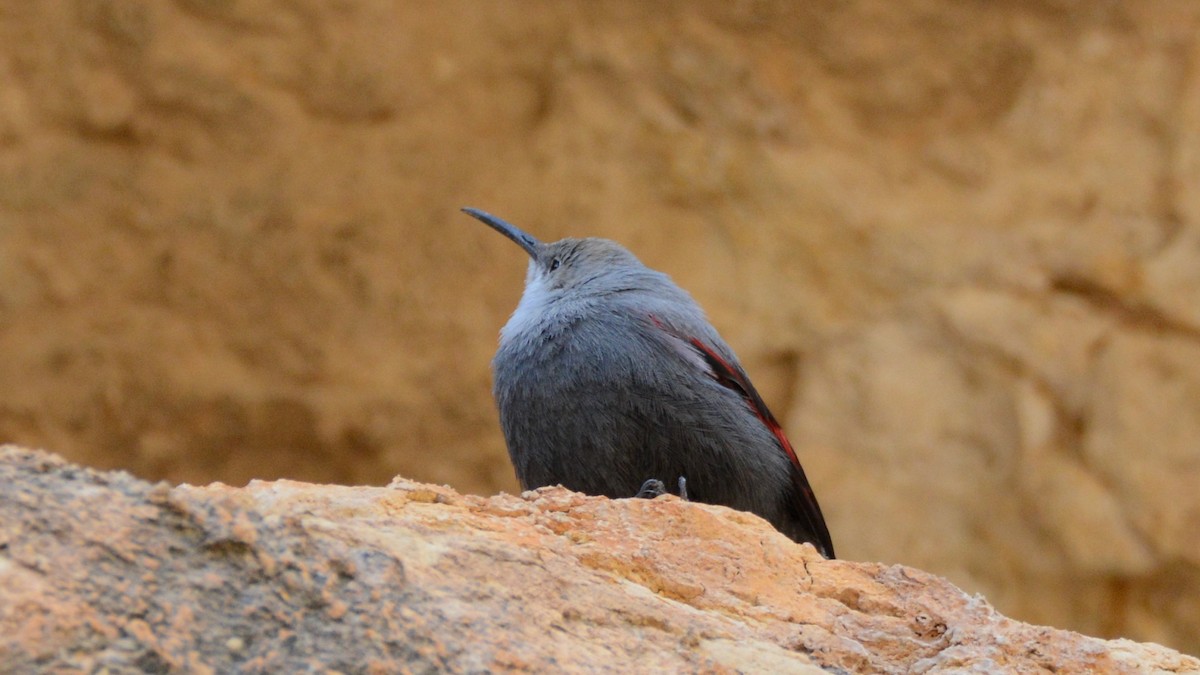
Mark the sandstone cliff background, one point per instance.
(956, 244)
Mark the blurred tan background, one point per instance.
(957, 246)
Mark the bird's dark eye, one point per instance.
(554, 264)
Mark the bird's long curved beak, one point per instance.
(522, 238)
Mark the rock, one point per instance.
(102, 571)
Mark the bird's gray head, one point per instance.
(581, 267)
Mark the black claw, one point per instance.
(651, 489)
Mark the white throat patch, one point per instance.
(532, 309)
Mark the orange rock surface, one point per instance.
(104, 572)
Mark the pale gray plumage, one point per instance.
(609, 374)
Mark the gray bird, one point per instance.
(610, 380)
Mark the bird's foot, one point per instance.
(656, 488)
(651, 489)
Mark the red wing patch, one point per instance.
(735, 379)
(732, 377)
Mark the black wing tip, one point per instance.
(826, 549)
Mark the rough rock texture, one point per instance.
(105, 571)
(957, 244)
